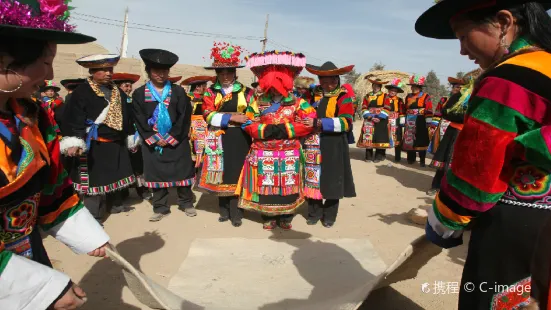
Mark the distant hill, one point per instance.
(65, 65)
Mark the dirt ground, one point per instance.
(385, 193)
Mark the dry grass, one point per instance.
(362, 85)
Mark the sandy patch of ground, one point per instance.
(386, 193)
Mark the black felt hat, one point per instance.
(435, 22)
(157, 58)
(27, 19)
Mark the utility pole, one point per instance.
(124, 43)
(265, 40)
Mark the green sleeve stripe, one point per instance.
(49, 189)
(445, 221)
(499, 115)
(5, 257)
(536, 148)
(471, 191)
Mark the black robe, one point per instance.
(174, 167)
(106, 165)
(336, 171)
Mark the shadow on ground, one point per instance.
(389, 299)
(407, 178)
(104, 282)
(345, 266)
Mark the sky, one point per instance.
(358, 32)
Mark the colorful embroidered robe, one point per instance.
(271, 181)
(35, 192)
(418, 121)
(199, 128)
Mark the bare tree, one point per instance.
(378, 66)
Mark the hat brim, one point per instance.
(435, 22)
(198, 80)
(45, 88)
(455, 81)
(125, 77)
(394, 87)
(334, 72)
(59, 37)
(228, 67)
(377, 82)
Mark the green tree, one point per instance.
(378, 66)
(433, 86)
(351, 77)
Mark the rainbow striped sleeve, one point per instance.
(506, 110)
(343, 120)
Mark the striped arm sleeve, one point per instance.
(218, 119)
(171, 140)
(343, 121)
(478, 178)
(153, 139)
(365, 109)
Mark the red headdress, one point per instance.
(276, 69)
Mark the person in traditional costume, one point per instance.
(162, 111)
(417, 121)
(198, 131)
(395, 108)
(226, 145)
(51, 99)
(126, 81)
(35, 192)
(375, 130)
(456, 85)
(449, 116)
(99, 134)
(271, 180)
(328, 173)
(303, 87)
(70, 85)
(499, 183)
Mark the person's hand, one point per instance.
(74, 151)
(162, 143)
(309, 122)
(239, 118)
(74, 298)
(376, 120)
(99, 252)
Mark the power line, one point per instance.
(172, 30)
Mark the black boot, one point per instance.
(422, 157)
(368, 154)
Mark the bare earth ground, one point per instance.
(386, 192)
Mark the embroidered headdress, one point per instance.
(396, 84)
(276, 69)
(225, 55)
(46, 20)
(417, 80)
(49, 84)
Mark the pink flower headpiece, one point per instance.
(39, 14)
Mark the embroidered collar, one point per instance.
(334, 93)
(519, 44)
(376, 94)
(237, 86)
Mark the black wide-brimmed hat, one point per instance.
(435, 22)
(157, 58)
(72, 82)
(328, 69)
(39, 20)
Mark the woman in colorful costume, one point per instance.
(162, 112)
(198, 131)
(226, 145)
(99, 134)
(271, 181)
(452, 113)
(417, 122)
(126, 81)
(51, 100)
(395, 107)
(35, 192)
(328, 173)
(456, 85)
(375, 130)
(499, 183)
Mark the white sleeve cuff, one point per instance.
(132, 142)
(80, 232)
(69, 142)
(28, 285)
